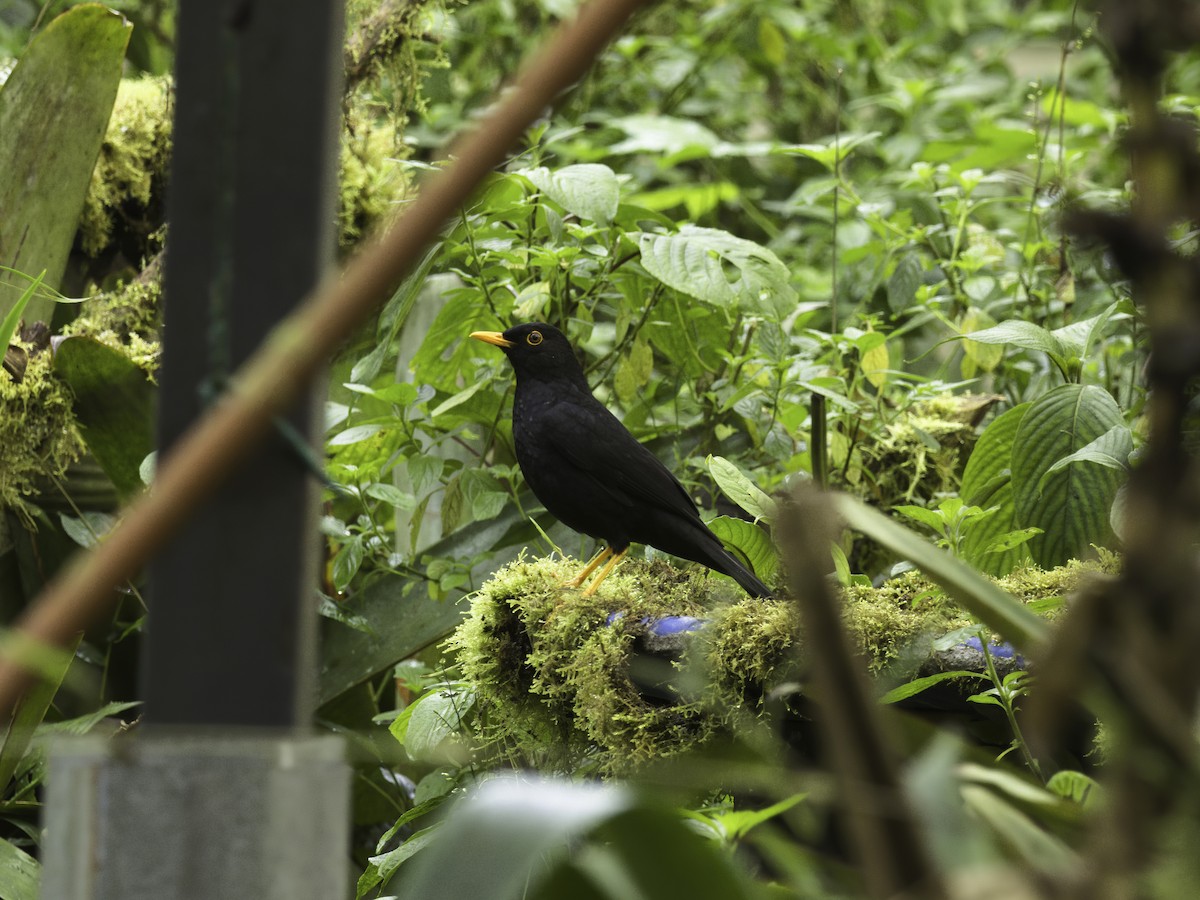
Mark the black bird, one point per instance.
(590, 472)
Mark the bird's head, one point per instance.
(536, 350)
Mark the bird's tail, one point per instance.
(729, 564)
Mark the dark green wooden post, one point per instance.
(224, 792)
(231, 628)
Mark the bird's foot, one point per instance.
(590, 568)
(609, 566)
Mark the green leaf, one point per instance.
(634, 372)
(903, 283)
(1032, 845)
(399, 393)
(85, 723)
(662, 134)
(382, 867)
(735, 485)
(652, 853)
(436, 716)
(33, 765)
(715, 267)
(875, 364)
(986, 699)
(347, 562)
(336, 612)
(114, 402)
(977, 355)
(835, 150)
(1077, 337)
(1026, 335)
(1074, 786)
(353, 435)
(979, 596)
(1070, 505)
(423, 472)
(395, 314)
(772, 42)
(739, 823)
(752, 542)
(989, 146)
(512, 827)
(54, 108)
(456, 400)
(841, 565)
(927, 517)
(390, 494)
(697, 199)
(31, 710)
(88, 528)
(986, 483)
(520, 829)
(463, 312)
(914, 687)
(13, 319)
(1013, 539)
(483, 495)
(20, 873)
(589, 191)
(1111, 449)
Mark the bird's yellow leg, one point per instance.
(591, 588)
(590, 567)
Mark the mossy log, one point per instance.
(660, 660)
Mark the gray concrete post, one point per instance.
(195, 815)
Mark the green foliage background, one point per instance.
(746, 205)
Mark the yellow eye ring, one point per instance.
(534, 338)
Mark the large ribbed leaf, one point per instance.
(987, 482)
(1111, 449)
(748, 541)
(587, 190)
(53, 112)
(718, 268)
(1072, 504)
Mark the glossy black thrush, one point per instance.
(590, 472)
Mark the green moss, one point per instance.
(38, 434)
(124, 198)
(127, 319)
(748, 644)
(387, 58)
(546, 664)
(1032, 584)
(124, 205)
(919, 453)
(551, 667)
(370, 179)
(893, 623)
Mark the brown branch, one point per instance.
(295, 351)
(1131, 644)
(886, 837)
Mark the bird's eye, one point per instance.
(534, 338)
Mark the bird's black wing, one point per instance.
(600, 447)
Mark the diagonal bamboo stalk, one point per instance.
(289, 358)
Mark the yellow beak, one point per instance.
(491, 337)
